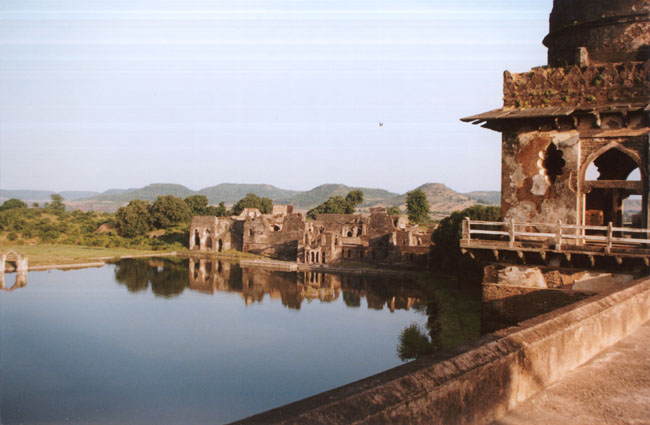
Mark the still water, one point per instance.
(178, 341)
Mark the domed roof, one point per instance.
(611, 30)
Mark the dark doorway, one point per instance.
(610, 179)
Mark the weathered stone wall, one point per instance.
(217, 234)
(275, 236)
(574, 86)
(528, 193)
(479, 384)
(611, 30)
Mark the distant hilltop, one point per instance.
(442, 199)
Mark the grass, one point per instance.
(71, 254)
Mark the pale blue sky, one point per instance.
(100, 94)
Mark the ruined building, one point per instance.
(575, 132)
(575, 147)
(283, 234)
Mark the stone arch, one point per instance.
(197, 239)
(599, 153)
(208, 242)
(220, 245)
(603, 198)
(20, 262)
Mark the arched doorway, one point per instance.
(609, 178)
(208, 243)
(220, 245)
(197, 240)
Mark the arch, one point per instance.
(276, 228)
(612, 145)
(19, 260)
(349, 233)
(220, 245)
(208, 242)
(553, 163)
(603, 197)
(197, 239)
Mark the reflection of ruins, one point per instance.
(20, 266)
(293, 288)
(376, 237)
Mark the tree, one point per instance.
(198, 204)
(265, 205)
(338, 205)
(393, 211)
(134, 219)
(354, 197)
(57, 203)
(12, 203)
(417, 206)
(168, 210)
(446, 254)
(219, 211)
(413, 343)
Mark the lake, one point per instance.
(178, 341)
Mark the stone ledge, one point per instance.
(480, 384)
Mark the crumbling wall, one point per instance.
(529, 191)
(575, 86)
(274, 236)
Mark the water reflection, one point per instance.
(20, 282)
(170, 277)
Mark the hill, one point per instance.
(490, 197)
(320, 194)
(74, 195)
(147, 193)
(44, 195)
(442, 200)
(232, 192)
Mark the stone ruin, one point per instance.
(589, 108)
(284, 234)
(575, 146)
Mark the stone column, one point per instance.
(21, 279)
(3, 260)
(21, 263)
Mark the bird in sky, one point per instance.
(381, 124)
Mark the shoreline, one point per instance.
(263, 263)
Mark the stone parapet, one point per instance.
(574, 86)
(480, 384)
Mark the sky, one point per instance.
(118, 94)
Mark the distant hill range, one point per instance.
(442, 199)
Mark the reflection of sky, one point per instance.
(77, 345)
(94, 86)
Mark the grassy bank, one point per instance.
(39, 255)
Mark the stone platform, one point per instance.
(612, 388)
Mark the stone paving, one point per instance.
(612, 388)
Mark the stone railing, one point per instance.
(574, 86)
